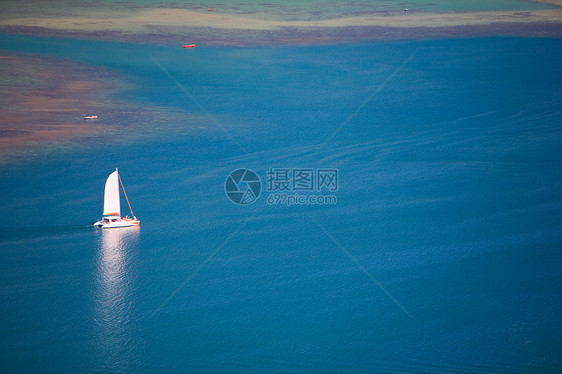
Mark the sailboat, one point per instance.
(112, 205)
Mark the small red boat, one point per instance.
(210, 10)
(189, 45)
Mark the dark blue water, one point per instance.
(442, 253)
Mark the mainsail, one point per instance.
(111, 202)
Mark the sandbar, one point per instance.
(164, 24)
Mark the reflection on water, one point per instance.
(114, 287)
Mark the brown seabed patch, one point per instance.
(43, 102)
(39, 104)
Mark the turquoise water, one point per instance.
(442, 253)
(278, 9)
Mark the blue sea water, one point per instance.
(442, 253)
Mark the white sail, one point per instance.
(111, 202)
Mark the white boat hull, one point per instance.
(113, 223)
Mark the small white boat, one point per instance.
(91, 117)
(112, 205)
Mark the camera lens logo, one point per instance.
(242, 186)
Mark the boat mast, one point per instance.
(123, 187)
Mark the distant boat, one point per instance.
(210, 10)
(91, 117)
(189, 45)
(112, 205)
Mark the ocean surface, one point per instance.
(441, 254)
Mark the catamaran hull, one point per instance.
(117, 224)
